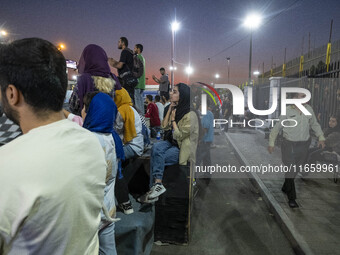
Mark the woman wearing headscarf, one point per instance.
(98, 115)
(180, 142)
(95, 75)
(129, 126)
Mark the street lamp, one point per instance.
(174, 28)
(3, 35)
(61, 46)
(217, 76)
(189, 70)
(252, 22)
(256, 73)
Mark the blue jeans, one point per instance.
(107, 243)
(139, 102)
(163, 154)
(129, 153)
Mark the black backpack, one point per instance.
(138, 66)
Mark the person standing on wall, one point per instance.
(139, 89)
(125, 67)
(163, 82)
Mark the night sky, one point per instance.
(207, 28)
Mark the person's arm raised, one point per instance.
(115, 63)
(166, 119)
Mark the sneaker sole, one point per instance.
(151, 197)
(147, 201)
(130, 211)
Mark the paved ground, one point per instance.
(230, 217)
(317, 220)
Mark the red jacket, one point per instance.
(152, 113)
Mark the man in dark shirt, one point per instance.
(125, 64)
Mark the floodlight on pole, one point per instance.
(174, 27)
(189, 70)
(252, 22)
(61, 46)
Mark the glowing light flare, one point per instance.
(189, 70)
(175, 26)
(252, 21)
(61, 46)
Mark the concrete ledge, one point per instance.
(299, 244)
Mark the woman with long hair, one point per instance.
(180, 141)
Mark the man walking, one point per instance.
(141, 81)
(295, 144)
(52, 177)
(163, 82)
(125, 66)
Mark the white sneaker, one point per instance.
(156, 190)
(146, 200)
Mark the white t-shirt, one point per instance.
(52, 183)
(160, 107)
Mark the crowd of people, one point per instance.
(64, 177)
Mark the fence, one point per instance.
(325, 95)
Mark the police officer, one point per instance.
(295, 144)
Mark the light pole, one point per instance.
(252, 21)
(217, 76)
(228, 61)
(174, 28)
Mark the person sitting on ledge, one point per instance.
(153, 114)
(180, 141)
(129, 126)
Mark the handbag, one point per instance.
(129, 80)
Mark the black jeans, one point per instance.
(121, 190)
(129, 89)
(163, 93)
(293, 154)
